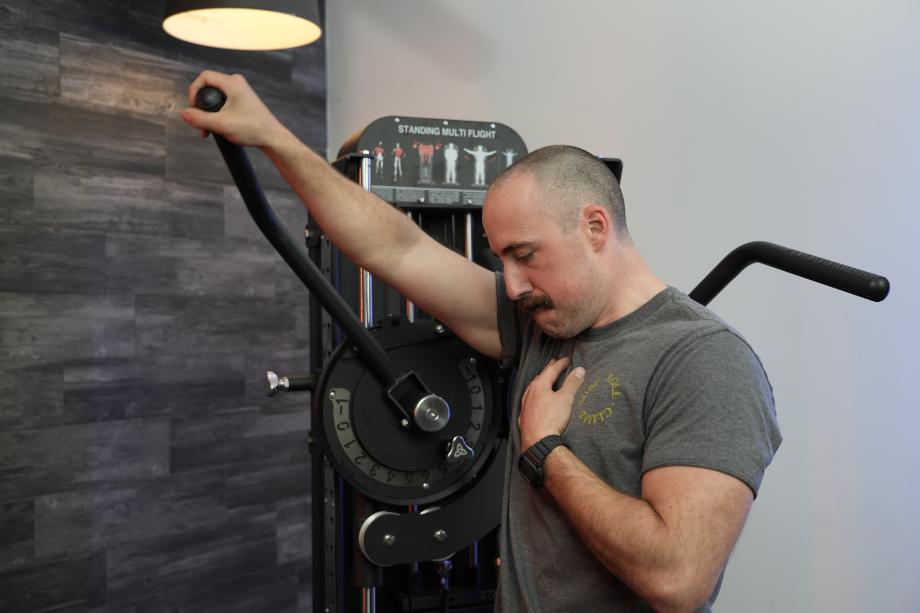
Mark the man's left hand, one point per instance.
(544, 411)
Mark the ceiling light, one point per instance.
(247, 25)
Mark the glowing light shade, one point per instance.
(248, 25)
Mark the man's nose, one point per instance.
(516, 285)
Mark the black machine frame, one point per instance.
(464, 580)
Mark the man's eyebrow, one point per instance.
(518, 245)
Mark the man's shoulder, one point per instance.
(682, 324)
(682, 307)
(680, 317)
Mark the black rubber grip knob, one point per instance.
(210, 99)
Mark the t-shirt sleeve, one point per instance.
(509, 325)
(710, 405)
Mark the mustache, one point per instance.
(529, 303)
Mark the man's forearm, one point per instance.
(371, 233)
(629, 536)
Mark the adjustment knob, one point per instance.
(459, 450)
(278, 383)
(275, 383)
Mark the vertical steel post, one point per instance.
(366, 291)
(366, 313)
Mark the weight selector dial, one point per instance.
(399, 465)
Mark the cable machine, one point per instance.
(415, 521)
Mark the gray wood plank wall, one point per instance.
(142, 468)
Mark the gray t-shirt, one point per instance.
(669, 384)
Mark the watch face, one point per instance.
(532, 472)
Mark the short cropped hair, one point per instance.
(570, 177)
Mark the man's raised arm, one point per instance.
(373, 234)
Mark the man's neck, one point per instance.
(632, 284)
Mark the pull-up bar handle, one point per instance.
(833, 274)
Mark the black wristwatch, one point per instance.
(531, 461)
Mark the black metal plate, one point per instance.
(362, 432)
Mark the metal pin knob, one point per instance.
(275, 382)
(279, 383)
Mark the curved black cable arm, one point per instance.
(403, 389)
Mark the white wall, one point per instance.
(793, 122)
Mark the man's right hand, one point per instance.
(244, 119)
(373, 234)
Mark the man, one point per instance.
(665, 413)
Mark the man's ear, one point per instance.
(597, 224)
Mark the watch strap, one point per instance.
(539, 450)
(535, 455)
